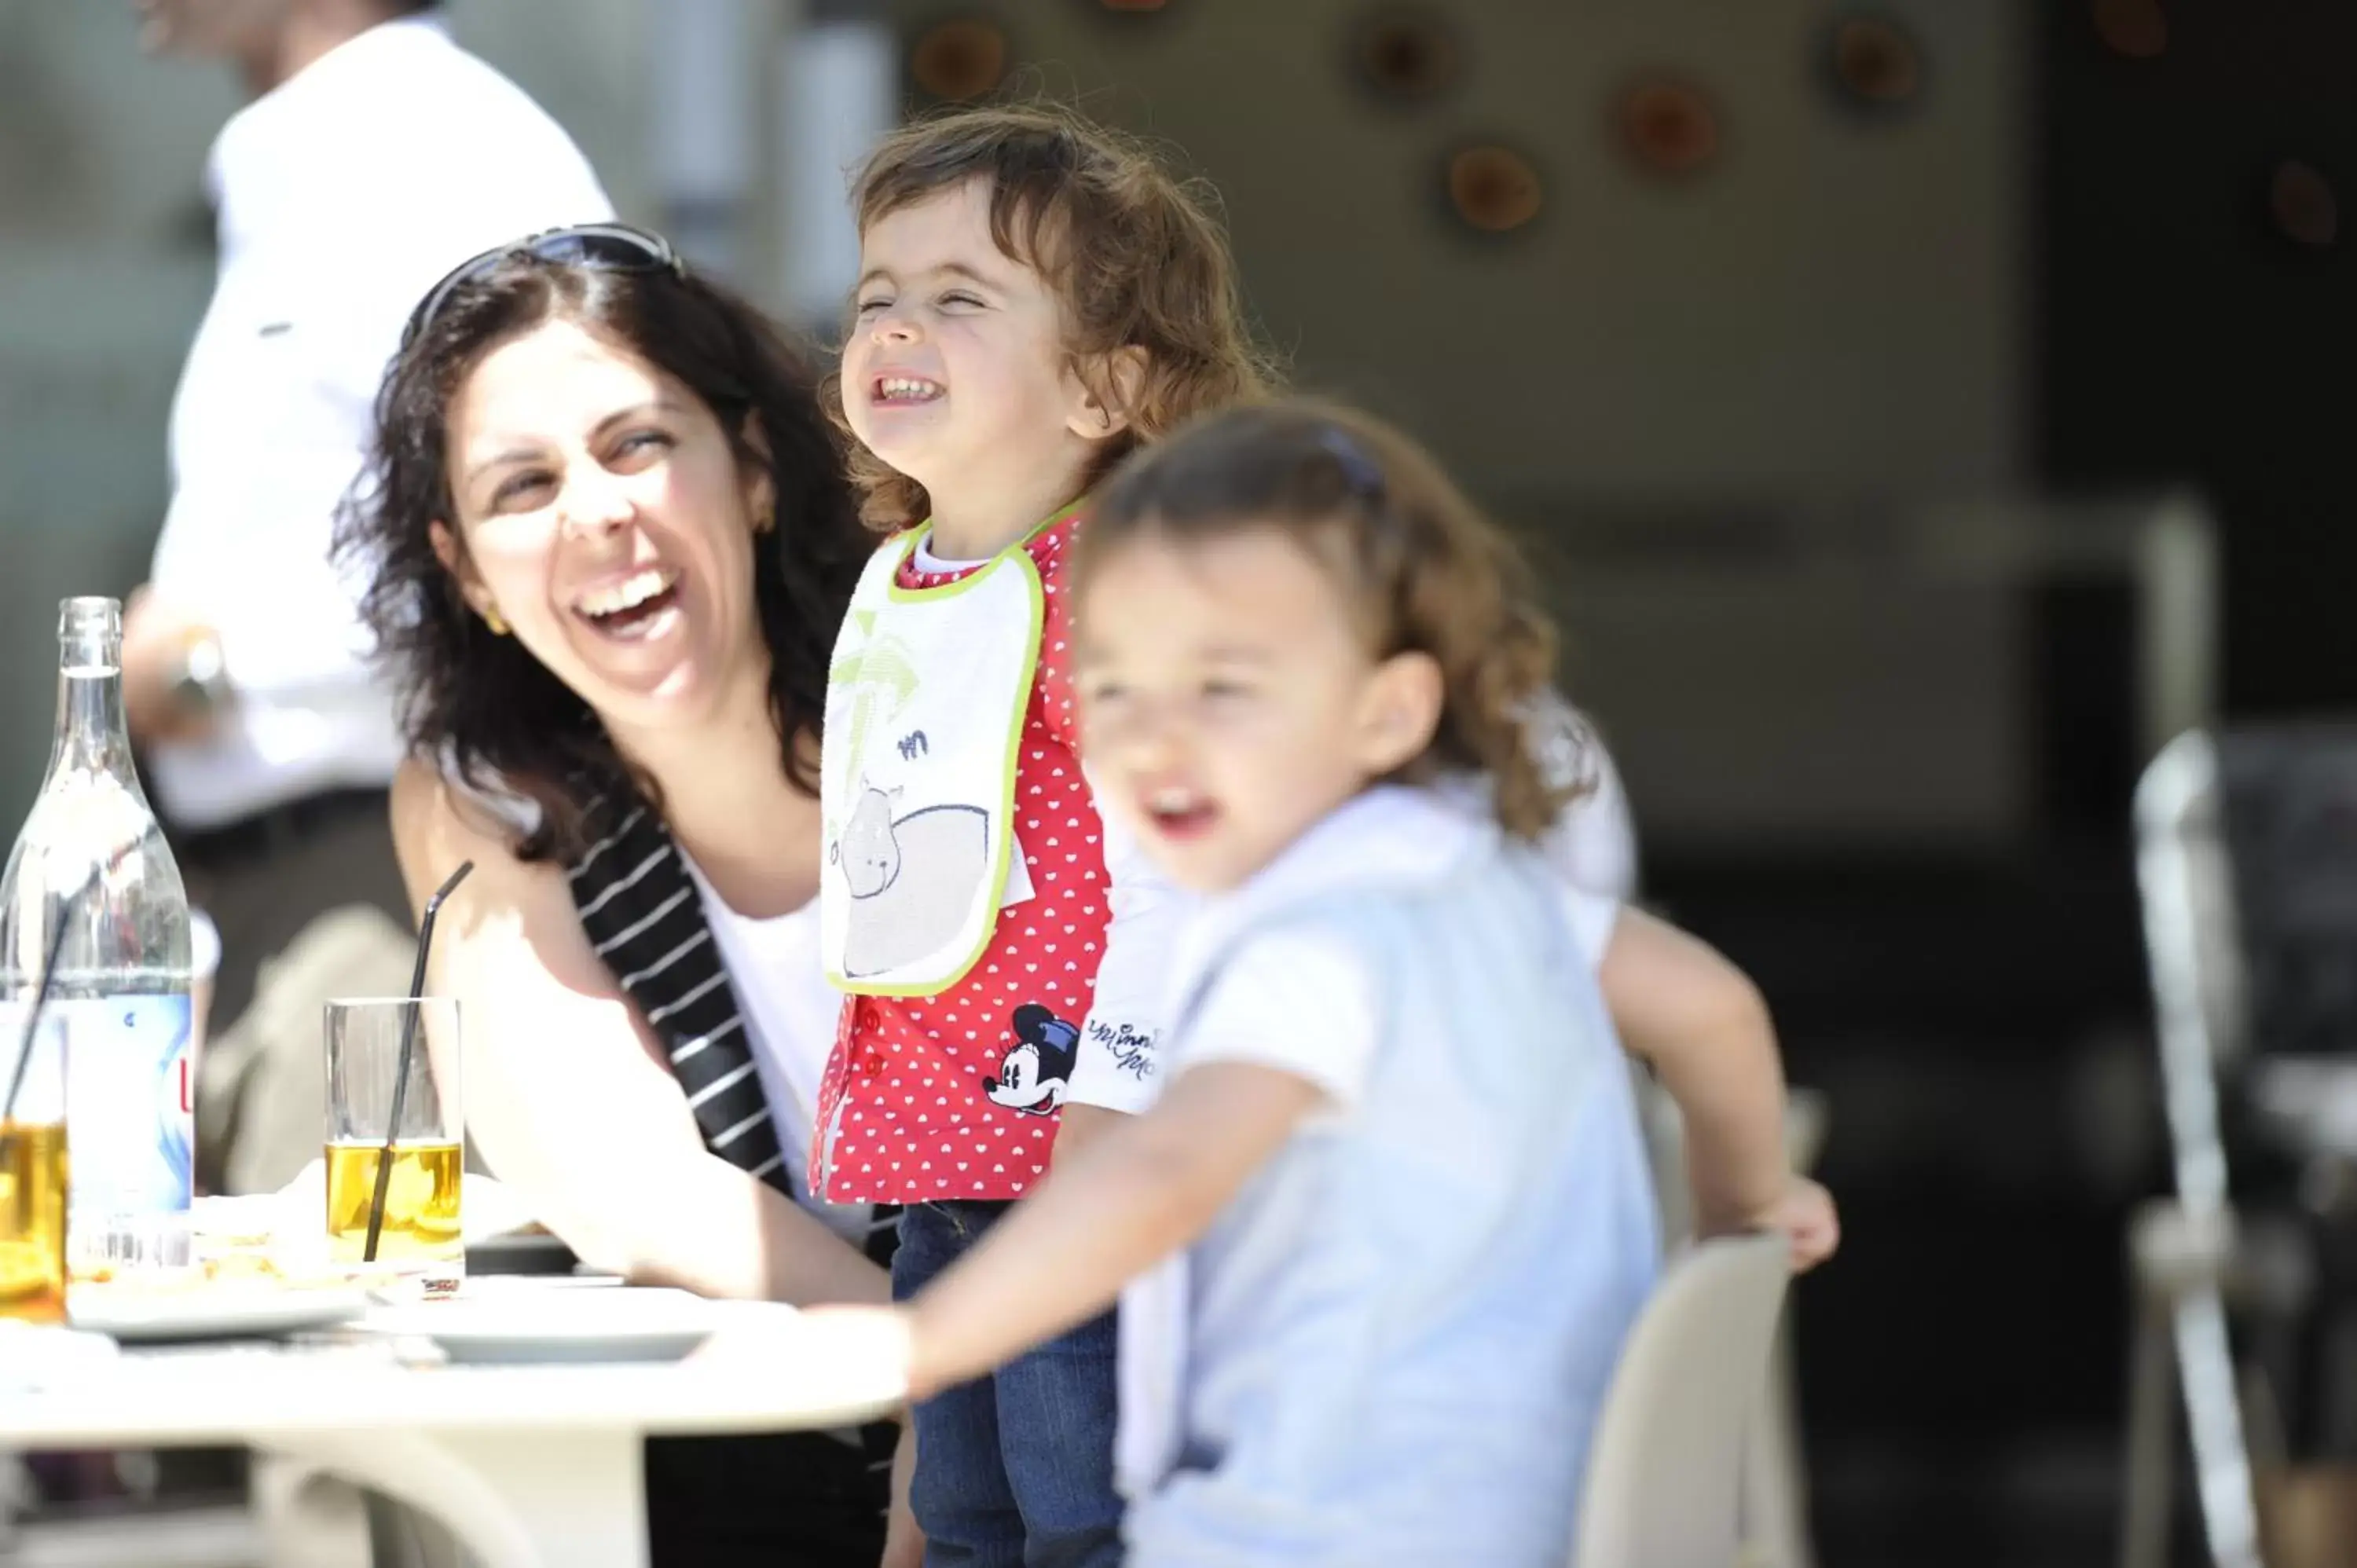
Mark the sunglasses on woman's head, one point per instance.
(596, 247)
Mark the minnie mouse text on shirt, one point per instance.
(1128, 1049)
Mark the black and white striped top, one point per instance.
(639, 909)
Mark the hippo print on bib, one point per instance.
(925, 701)
(912, 879)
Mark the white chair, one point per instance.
(1664, 1483)
(1775, 1518)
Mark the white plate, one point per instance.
(209, 1312)
(613, 1324)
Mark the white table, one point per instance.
(530, 1466)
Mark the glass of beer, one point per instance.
(33, 1174)
(418, 1239)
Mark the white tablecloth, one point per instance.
(530, 1466)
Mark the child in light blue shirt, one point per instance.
(1389, 1220)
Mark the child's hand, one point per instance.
(1805, 1213)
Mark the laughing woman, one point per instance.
(608, 547)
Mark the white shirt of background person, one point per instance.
(344, 193)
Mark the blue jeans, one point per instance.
(1015, 1470)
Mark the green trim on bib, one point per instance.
(865, 623)
(1021, 547)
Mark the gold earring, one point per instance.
(491, 619)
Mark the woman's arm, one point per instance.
(566, 1093)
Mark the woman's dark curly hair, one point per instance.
(481, 704)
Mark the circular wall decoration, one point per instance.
(1874, 66)
(1406, 55)
(1493, 188)
(1668, 128)
(957, 59)
(2137, 28)
(2304, 207)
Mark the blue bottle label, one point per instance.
(131, 1101)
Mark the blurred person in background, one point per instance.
(374, 156)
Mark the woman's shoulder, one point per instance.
(437, 810)
(440, 823)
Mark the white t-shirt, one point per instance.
(344, 194)
(790, 1014)
(1303, 1001)
(1593, 844)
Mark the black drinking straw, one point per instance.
(49, 968)
(401, 1069)
(32, 1026)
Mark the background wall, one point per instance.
(1824, 310)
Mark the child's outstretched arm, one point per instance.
(1704, 1027)
(1144, 1188)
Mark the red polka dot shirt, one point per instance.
(959, 1095)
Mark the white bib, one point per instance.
(925, 702)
